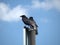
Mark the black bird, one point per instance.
(33, 24)
(25, 20)
(30, 22)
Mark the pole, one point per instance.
(24, 37)
(29, 36)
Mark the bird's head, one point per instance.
(31, 18)
(23, 16)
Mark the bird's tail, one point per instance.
(36, 32)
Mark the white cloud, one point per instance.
(46, 4)
(8, 14)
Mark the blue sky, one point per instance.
(45, 12)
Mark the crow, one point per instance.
(33, 24)
(30, 22)
(25, 20)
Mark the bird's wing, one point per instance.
(25, 20)
(32, 21)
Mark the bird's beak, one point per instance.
(20, 16)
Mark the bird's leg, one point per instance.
(31, 28)
(27, 28)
